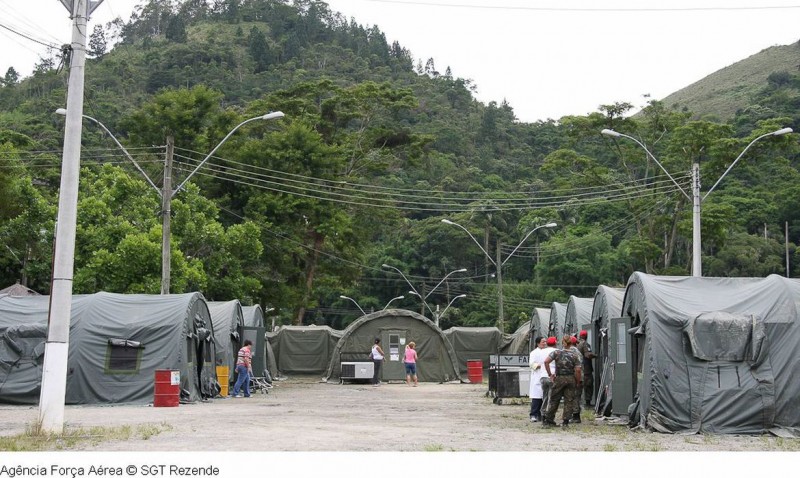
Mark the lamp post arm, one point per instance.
(273, 115)
(443, 279)
(451, 303)
(433, 314)
(394, 299)
(126, 153)
(353, 301)
(447, 221)
(783, 131)
(615, 133)
(552, 224)
(387, 266)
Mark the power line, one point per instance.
(585, 9)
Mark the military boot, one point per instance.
(565, 423)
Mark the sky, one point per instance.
(546, 58)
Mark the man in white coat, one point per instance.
(540, 383)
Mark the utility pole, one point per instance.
(166, 217)
(499, 267)
(56, 352)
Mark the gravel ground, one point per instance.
(303, 414)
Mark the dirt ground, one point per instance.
(303, 414)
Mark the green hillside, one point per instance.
(735, 87)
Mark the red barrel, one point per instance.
(475, 371)
(167, 389)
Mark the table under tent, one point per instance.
(712, 355)
(116, 343)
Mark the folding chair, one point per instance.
(261, 384)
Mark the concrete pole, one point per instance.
(54, 370)
(499, 267)
(697, 265)
(166, 217)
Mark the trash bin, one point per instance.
(167, 390)
(475, 371)
(223, 377)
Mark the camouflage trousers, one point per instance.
(563, 386)
(588, 388)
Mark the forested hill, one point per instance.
(740, 86)
(373, 153)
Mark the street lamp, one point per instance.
(440, 315)
(268, 116)
(396, 298)
(498, 264)
(353, 301)
(697, 265)
(413, 290)
(167, 193)
(63, 112)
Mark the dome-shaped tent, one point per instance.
(578, 314)
(436, 361)
(607, 305)
(228, 322)
(719, 355)
(521, 339)
(558, 316)
(116, 343)
(253, 316)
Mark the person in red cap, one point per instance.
(588, 367)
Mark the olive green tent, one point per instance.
(436, 361)
(476, 343)
(558, 317)
(303, 349)
(578, 314)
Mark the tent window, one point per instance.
(716, 336)
(622, 335)
(123, 356)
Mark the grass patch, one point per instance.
(609, 447)
(35, 440)
(433, 447)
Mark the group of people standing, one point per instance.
(558, 373)
(409, 361)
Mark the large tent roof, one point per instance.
(607, 304)
(253, 316)
(303, 349)
(558, 317)
(228, 321)
(18, 290)
(160, 324)
(578, 314)
(720, 354)
(541, 321)
(437, 361)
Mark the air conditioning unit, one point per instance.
(357, 370)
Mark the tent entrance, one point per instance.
(620, 357)
(395, 348)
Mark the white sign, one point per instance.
(175, 377)
(510, 360)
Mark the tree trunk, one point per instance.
(311, 269)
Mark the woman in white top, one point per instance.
(377, 359)
(540, 383)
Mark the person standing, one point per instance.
(244, 368)
(377, 360)
(576, 399)
(536, 361)
(411, 363)
(587, 357)
(545, 380)
(565, 382)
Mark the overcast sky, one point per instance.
(547, 58)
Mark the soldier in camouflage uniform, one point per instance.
(565, 382)
(576, 400)
(588, 367)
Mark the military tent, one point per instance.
(303, 349)
(116, 343)
(436, 361)
(578, 314)
(558, 317)
(607, 305)
(715, 355)
(253, 316)
(520, 340)
(541, 322)
(476, 343)
(18, 290)
(228, 321)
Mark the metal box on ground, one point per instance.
(357, 371)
